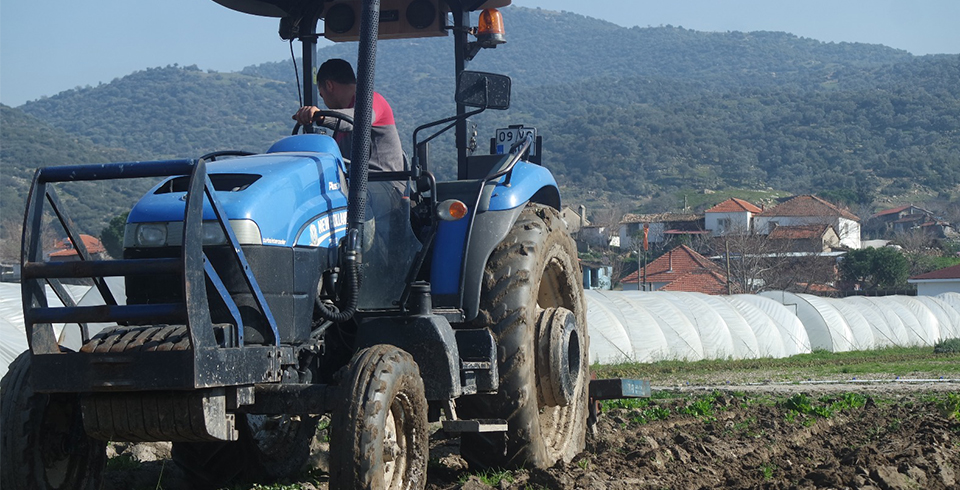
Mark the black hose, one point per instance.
(360, 156)
(351, 293)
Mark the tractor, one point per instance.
(263, 291)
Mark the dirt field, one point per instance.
(884, 436)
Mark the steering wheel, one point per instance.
(212, 156)
(339, 116)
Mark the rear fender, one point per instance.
(527, 183)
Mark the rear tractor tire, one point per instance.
(532, 300)
(379, 437)
(42, 441)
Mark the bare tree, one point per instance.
(755, 263)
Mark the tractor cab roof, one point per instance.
(286, 8)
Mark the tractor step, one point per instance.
(614, 388)
(474, 426)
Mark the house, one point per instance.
(806, 238)
(659, 227)
(680, 269)
(594, 236)
(938, 281)
(905, 219)
(897, 219)
(597, 276)
(64, 251)
(811, 210)
(574, 219)
(731, 216)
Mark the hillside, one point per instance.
(628, 113)
(29, 143)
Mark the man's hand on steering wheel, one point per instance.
(311, 114)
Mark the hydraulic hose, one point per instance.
(360, 154)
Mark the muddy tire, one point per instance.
(379, 438)
(42, 442)
(270, 448)
(532, 287)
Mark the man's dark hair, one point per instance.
(336, 70)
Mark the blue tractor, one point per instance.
(265, 290)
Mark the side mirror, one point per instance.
(484, 90)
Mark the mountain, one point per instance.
(29, 143)
(625, 112)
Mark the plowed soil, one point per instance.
(893, 436)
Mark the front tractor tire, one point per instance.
(380, 436)
(42, 441)
(532, 300)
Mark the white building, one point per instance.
(733, 216)
(811, 210)
(946, 280)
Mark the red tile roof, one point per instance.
(803, 232)
(683, 269)
(65, 247)
(952, 272)
(734, 205)
(707, 282)
(894, 210)
(900, 210)
(807, 206)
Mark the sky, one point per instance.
(48, 46)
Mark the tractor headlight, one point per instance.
(213, 234)
(151, 234)
(171, 234)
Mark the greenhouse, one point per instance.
(652, 326)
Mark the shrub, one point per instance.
(947, 346)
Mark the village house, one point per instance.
(660, 227)
(906, 218)
(680, 269)
(595, 236)
(731, 216)
(811, 210)
(936, 282)
(597, 275)
(574, 219)
(806, 238)
(65, 252)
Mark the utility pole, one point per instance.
(726, 253)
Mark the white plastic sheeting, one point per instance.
(792, 333)
(13, 339)
(651, 326)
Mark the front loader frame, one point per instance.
(205, 363)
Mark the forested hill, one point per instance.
(29, 143)
(628, 111)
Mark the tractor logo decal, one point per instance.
(324, 229)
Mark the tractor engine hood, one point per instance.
(292, 196)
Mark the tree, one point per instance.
(875, 268)
(112, 235)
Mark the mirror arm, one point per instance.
(471, 50)
(452, 119)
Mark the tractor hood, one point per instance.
(294, 8)
(284, 192)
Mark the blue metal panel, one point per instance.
(448, 256)
(293, 191)
(525, 181)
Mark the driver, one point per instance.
(337, 86)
